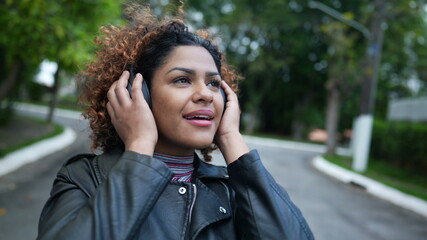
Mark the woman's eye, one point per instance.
(181, 80)
(215, 83)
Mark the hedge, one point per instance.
(402, 144)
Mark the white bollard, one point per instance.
(362, 142)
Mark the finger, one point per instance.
(111, 95)
(136, 88)
(110, 111)
(124, 78)
(231, 95)
(121, 91)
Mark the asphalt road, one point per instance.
(333, 210)
(24, 192)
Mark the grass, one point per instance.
(57, 129)
(407, 182)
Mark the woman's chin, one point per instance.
(203, 146)
(202, 143)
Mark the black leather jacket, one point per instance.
(126, 195)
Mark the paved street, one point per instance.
(24, 192)
(334, 210)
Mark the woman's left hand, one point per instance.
(228, 137)
(231, 118)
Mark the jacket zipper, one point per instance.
(192, 203)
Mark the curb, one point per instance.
(36, 151)
(311, 147)
(44, 109)
(373, 187)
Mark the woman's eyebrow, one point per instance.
(210, 74)
(192, 72)
(189, 71)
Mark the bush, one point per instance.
(6, 112)
(69, 101)
(402, 144)
(36, 91)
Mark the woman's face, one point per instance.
(187, 103)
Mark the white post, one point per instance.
(362, 141)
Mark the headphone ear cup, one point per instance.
(224, 97)
(130, 81)
(144, 88)
(146, 92)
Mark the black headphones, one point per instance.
(146, 90)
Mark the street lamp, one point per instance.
(363, 123)
(339, 16)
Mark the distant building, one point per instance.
(408, 109)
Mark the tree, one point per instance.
(342, 61)
(372, 13)
(271, 44)
(404, 53)
(59, 31)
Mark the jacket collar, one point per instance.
(201, 169)
(206, 170)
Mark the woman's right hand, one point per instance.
(132, 117)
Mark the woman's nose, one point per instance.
(202, 93)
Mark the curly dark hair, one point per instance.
(144, 42)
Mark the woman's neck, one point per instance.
(174, 151)
(181, 166)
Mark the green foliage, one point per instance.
(60, 31)
(69, 101)
(272, 45)
(6, 113)
(35, 91)
(401, 144)
(286, 51)
(404, 53)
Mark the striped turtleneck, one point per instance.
(182, 167)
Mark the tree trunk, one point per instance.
(298, 124)
(373, 59)
(54, 97)
(333, 105)
(10, 81)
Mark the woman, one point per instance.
(149, 183)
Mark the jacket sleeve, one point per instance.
(116, 209)
(263, 209)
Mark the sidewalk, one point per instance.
(38, 150)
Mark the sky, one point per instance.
(46, 73)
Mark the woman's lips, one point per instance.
(200, 123)
(200, 118)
